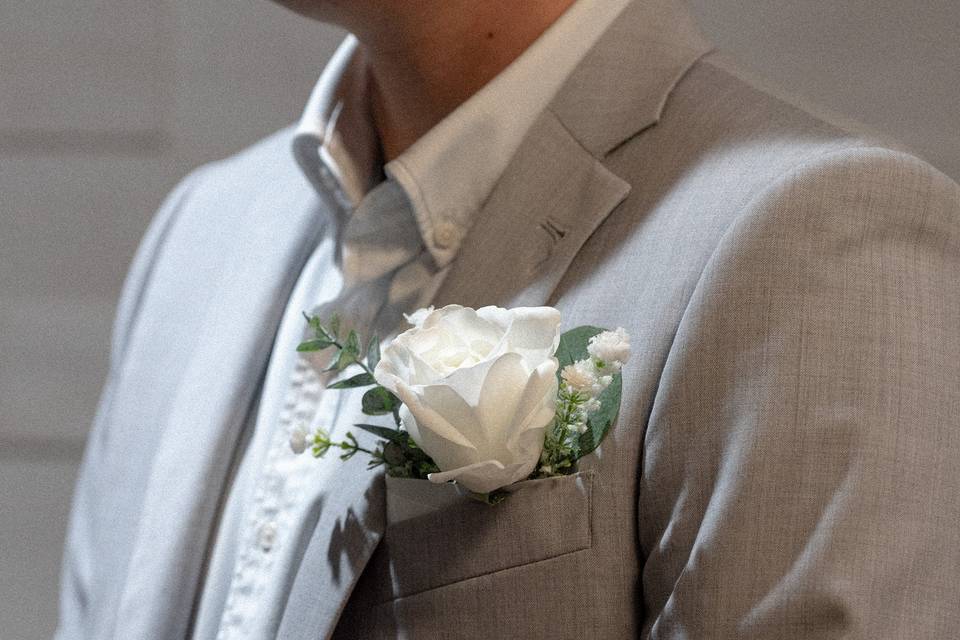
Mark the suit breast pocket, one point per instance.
(539, 520)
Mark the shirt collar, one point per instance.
(449, 172)
(335, 142)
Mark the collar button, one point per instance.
(445, 235)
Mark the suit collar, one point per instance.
(622, 85)
(550, 201)
(557, 190)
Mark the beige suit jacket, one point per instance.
(787, 460)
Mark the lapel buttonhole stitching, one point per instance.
(555, 233)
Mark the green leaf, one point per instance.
(314, 345)
(600, 421)
(353, 345)
(317, 326)
(340, 361)
(359, 380)
(373, 352)
(348, 355)
(573, 345)
(334, 326)
(378, 401)
(386, 433)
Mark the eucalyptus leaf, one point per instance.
(359, 380)
(317, 344)
(573, 345)
(379, 401)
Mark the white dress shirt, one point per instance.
(272, 501)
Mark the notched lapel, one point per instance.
(557, 191)
(553, 195)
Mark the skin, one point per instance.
(426, 57)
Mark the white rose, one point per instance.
(479, 388)
(417, 317)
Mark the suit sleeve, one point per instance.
(78, 570)
(801, 468)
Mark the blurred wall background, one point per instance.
(105, 104)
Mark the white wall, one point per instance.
(891, 64)
(104, 104)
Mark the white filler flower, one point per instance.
(582, 377)
(612, 348)
(479, 388)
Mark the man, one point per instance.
(786, 463)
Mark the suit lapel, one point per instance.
(551, 198)
(209, 409)
(557, 190)
(553, 195)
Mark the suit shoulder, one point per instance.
(763, 94)
(719, 110)
(727, 140)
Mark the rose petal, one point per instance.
(535, 329)
(485, 476)
(538, 403)
(468, 381)
(501, 394)
(434, 433)
(534, 332)
(464, 321)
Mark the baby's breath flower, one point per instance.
(580, 376)
(602, 383)
(611, 348)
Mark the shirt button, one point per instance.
(267, 535)
(445, 235)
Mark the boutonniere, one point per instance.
(483, 398)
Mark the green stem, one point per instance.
(355, 361)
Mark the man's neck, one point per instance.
(428, 57)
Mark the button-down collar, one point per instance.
(449, 172)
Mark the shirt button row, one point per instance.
(267, 536)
